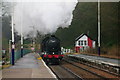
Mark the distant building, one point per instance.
(83, 42)
(64, 50)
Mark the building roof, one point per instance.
(82, 36)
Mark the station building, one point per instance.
(83, 42)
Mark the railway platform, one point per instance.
(28, 67)
(99, 59)
(108, 64)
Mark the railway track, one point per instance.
(71, 69)
(84, 73)
(95, 71)
(106, 67)
(93, 66)
(63, 73)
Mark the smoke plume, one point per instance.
(45, 17)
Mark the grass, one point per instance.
(111, 52)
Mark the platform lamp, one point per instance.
(99, 27)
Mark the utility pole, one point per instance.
(99, 27)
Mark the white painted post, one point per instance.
(13, 41)
(99, 27)
(21, 42)
(21, 34)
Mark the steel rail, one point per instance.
(103, 78)
(58, 78)
(77, 77)
(112, 73)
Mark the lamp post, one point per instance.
(21, 43)
(10, 50)
(13, 42)
(13, 39)
(21, 34)
(99, 27)
(33, 39)
(5, 11)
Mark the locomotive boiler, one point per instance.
(51, 50)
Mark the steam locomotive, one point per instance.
(51, 50)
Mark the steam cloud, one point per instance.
(45, 17)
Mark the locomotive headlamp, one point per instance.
(53, 53)
(45, 53)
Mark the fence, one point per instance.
(18, 54)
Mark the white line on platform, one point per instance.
(49, 69)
